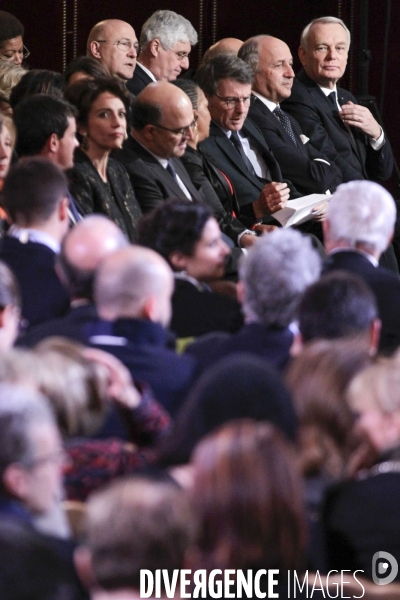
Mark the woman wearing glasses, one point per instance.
(99, 183)
(11, 43)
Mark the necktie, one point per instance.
(285, 121)
(238, 145)
(332, 98)
(171, 171)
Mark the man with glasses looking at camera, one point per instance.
(12, 47)
(114, 44)
(166, 40)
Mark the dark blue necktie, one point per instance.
(238, 145)
(286, 124)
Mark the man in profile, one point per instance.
(114, 44)
(166, 41)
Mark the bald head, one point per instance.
(224, 46)
(134, 283)
(114, 44)
(272, 64)
(160, 114)
(83, 248)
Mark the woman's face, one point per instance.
(203, 116)
(106, 124)
(6, 148)
(208, 259)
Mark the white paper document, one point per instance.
(300, 210)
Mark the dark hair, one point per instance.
(10, 27)
(239, 386)
(38, 81)
(36, 119)
(10, 293)
(144, 113)
(340, 304)
(174, 225)
(247, 495)
(85, 64)
(32, 190)
(223, 66)
(83, 94)
(190, 88)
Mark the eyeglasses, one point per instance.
(233, 102)
(9, 54)
(124, 45)
(181, 55)
(179, 132)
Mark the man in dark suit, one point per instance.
(273, 275)
(358, 228)
(133, 290)
(343, 130)
(166, 40)
(35, 195)
(82, 250)
(271, 61)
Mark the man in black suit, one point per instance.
(133, 290)
(35, 195)
(236, 145)
(358, 228)
(166, 40)
(343, 130)
(273, 275)
(82, 250)
(271, 61)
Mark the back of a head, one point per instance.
(83, 249)
(361, 213)
(247, 495)
(33, 190)
(88, 65)
(36, 119)
(339, 305)
(224, 46)
(127, 278)
(38, 81)
(274, 273)
(136, 524)
(21, 409)
(169, 27)
(239, 386)
(223, 66)
(10, 27)
(10, 75)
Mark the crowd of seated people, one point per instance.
(184, 382)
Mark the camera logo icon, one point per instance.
(384, 568)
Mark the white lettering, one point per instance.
(200, 581)
(146, 577)
(257, 591)
(359, 583)
(320, 589)
(185, 581)
(215, 587)
(272, 582)
(331, 585)
(228, 583)
(244, 585)
(170, 588)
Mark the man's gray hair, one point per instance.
(329, 20)
(169, 27)
(274, 273)
(249, 52)
(362, 213)
(21, 409)
(223, 66)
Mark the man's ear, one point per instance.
(302, 55)
(375, 336)
(149, 309)
(84, 567)
(326, 229)
(297, 344)
(95, 49)
(240, 291)
(178, 260)
(15, 481)
(52, 143)
(63, 209)
(155, 47)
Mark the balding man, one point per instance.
(166, 40)
(224, 46)
(162, 119)
(133, 290)
(271, 61)
(82, 250)
(114, 44)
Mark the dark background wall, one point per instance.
(56, 31)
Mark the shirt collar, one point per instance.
(28, 234)
(146, 70)
(371, 258)
(328, 91)
(264, 100)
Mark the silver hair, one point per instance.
(169, 27)
(21, 409)
(306, 30)
(275, 272)
(362, 213)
